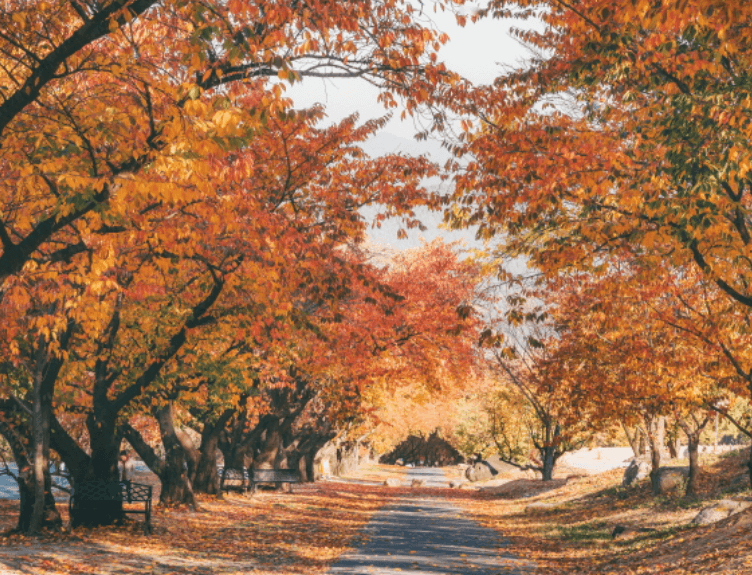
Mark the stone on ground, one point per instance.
(720, 510)
(637, 470)
(671, 478)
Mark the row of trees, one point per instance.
(181, 248)
(179, 242)
(617, 165)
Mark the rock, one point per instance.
(720, 510)
(456, 484)
(392, 482)
(488, 468)
(670, 478)
(479, 472)
(499, 466)
(418, 483)
(539, 506)
(624, 531)
(637, 470)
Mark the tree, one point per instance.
(533, 420)
(94, 107)
(106, 105)
(640, 354)
(213, 284)
(628, 131)
(391, 333)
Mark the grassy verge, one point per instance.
(574, 535)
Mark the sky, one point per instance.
(479, 51)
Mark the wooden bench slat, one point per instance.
(248, 479)
(273, 476)
(276, 475)
(228, 474)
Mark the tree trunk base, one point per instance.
(97, 513)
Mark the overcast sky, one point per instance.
(480, 52)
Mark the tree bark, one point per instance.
(549, 450)
(176, 484)
(42, 389)
(103, 466)
(693, 446)
(693, 433)
(634, 439)
(206, 479)
(15, 436)
(271, 443)
(655, 441)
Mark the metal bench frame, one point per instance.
(124, 491)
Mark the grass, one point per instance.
(575, 537)
(589, 531)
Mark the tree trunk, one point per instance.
(674, 440)
(655, 440)
(693, 446)
(46, 369)
(633, 438)
(693, 427)
(547, 469)
(105, 446)
(271, 443)
(175, 480)
(549, 450)
(206, 479)
(44, 512)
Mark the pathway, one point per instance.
(429, 537)
(431, 476)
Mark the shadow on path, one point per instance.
(428, 536)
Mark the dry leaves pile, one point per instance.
(305, 532)
(574, 537)
(272, 532)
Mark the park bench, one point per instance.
(126, 492)
(273, 476)
(233, 479)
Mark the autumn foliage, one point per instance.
(616, 163)
(180, 244)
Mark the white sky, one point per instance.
(479, 51)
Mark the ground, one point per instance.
(574, 536)
(307, 531)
